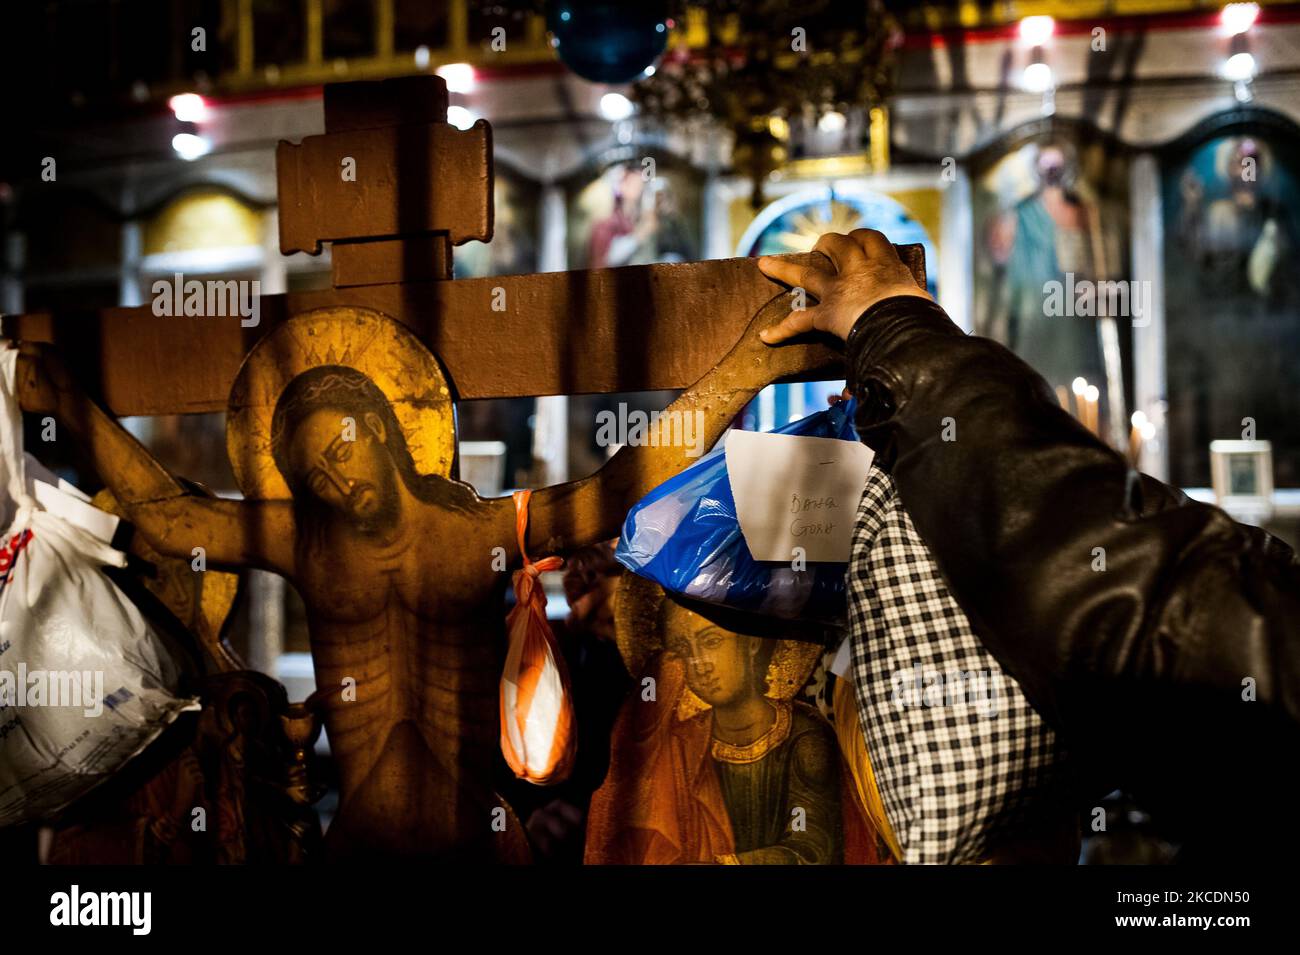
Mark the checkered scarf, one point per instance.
(957, 752)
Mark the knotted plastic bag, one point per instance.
(685, 535)
(538, 736)
(85, 683)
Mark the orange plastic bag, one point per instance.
(538, 737)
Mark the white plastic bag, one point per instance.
(85, 684)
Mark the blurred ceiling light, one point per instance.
(190, 146)
(460, 117)
(615, 107)
(1037, 78)
(460, 77)
(649, 70)
(832, 122)
(1239, 67)
(1238, 17)
(189, 107)
(1035, 31)
(421, 57)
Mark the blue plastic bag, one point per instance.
(685, 536)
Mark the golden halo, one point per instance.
(636, 631)
(361, 338)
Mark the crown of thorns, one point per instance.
(345, 386)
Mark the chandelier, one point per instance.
(762, 68)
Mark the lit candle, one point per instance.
(1091, 396)
(1080, 387)
(1135, 438)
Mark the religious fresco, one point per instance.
(1231, 206)
(1051, 209)
(632, 213)
(714, 758)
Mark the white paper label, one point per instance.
(843, 658)
(796, 492)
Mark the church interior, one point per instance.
(367, 370)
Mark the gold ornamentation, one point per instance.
(725, 752)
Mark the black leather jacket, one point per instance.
(1145, 668)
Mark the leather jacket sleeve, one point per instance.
(1191, 613)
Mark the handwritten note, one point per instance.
(796, 492)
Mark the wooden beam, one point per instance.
(633, 329)
(636, 328)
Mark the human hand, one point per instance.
(866, 270)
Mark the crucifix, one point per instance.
(341, 433)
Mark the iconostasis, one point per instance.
(1029, 240)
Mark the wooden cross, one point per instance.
(393, 556)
